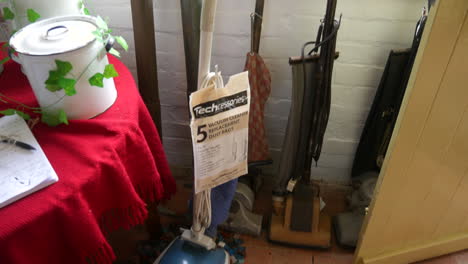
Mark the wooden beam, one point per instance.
(145, 49)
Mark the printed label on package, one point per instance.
(219, 125)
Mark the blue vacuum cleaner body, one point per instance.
(185, 252)
(181, 251)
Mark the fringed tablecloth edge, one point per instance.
(103, 255)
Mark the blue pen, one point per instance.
(17, 143)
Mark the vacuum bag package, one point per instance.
(219, 126)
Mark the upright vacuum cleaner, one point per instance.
(297, 218)
(194, 246)
(375, 138)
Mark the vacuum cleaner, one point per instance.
(195, 246)
(297, 218)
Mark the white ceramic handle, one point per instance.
(13, 56)
(56, 32)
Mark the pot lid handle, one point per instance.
(56, 32)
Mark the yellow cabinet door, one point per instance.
(420, 209)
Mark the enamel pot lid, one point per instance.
(54, 35)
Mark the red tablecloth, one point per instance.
(108, 167)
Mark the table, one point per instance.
(109, 167)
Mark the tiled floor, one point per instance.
(260, 251)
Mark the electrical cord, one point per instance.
(202, 200)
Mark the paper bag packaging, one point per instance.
(219, 126)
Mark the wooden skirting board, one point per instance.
(410, 255)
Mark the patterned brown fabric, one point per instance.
(260, 88)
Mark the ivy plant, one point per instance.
(33, 16)
(48, 118)
(55, 120)
(61, 78)
(57, 80)
(81, 6)
(98, 78)
(8, 14)
(22, 114)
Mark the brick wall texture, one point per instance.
(370, 29)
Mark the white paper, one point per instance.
(22, 172)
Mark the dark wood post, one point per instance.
(191, 12)
(145, 48)
(259, 4)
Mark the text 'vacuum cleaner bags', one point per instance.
(219, 126)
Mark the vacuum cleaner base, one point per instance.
(184, 252)
(319, 236)
(281, 234)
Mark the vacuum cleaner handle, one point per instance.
(208, 15)
(206, 38)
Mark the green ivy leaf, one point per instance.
(62, 117)
(99, 35)
(68, 85)
(122, 42)
(57, 80)
(8, 14)
(114, 52)
(101, 23)
(109, 71)
(9, 112)
(54, 119)
(86, 11)
(33, 16)
(23, 115)
(80, 5)
(53, 87)
(97, 80)
(50, 119)
(52, 83)
(4, 60)
(63, 67)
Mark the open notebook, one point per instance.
(22, 172)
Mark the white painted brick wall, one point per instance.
(370, 29)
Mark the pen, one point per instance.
(17, 143)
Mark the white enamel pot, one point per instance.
(45, 8)
(68, 39)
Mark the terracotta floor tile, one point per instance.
(326, 259)
(344, 259)
(291, 256)
(260, 241)
(261, 255)
(461, 257)
(333, 259)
